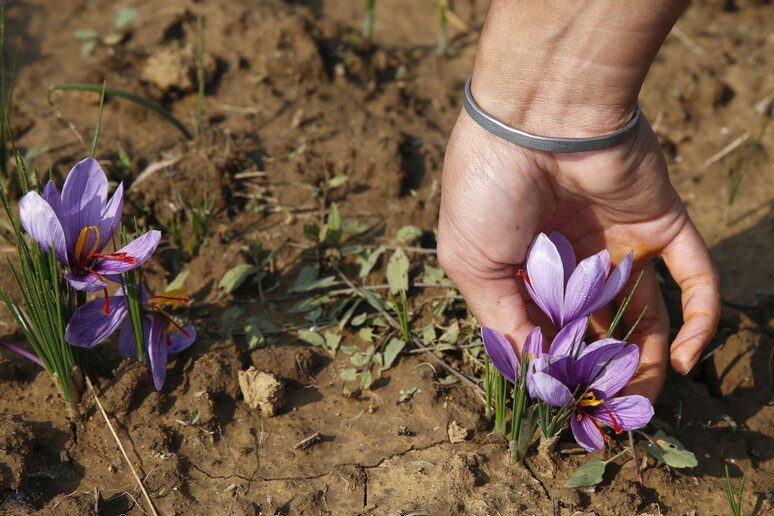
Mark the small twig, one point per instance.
(121, 447)
(636, 460)
(727, 150)
(308, 442)
(687, 41)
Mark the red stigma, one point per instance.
(523, 275)
(119, 257)
(616, 426)
(582, 414)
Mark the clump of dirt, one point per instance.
(262, 391)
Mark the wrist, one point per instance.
(573, 69)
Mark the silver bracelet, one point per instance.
(546, 143)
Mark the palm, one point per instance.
(498, 196)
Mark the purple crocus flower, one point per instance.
(89, 326)
(80, 223)
(602, 369)
(569, 341)
(566, 292)
(502, 354)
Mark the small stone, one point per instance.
(765, 106)
(262, 391)
(457, 434)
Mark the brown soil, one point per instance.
(295, 97)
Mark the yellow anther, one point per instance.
(84, 240)
(590, 400)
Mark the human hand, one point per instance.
(497, 196)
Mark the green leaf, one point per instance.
(234, 278)
(448, 380)
(590, 474)
(374, 300)
(397, 271)
(312, 230)
(391, 352)
(315, 339)
(359, 359)
(348, 375)
(326, 282)
(366, 379)
(368, 264)
(435, 276)
(670, 451)
(314, 315)
(408, 234)
(367, 334)
(124, 17)
(348, 314)
(112, 39)
(428, 334)
(354, 227)
(332, 341)
(308, 304)
(178, 282)
(86, 34)
(253, 334)
(337, 181)
(334, 223)
(359, 319)
(88, 47)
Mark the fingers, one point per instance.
(491, 290)
(689, 263)
(651, 334)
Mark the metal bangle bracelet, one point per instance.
(546, 143)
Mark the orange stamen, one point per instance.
(589, 400)
(83, 242)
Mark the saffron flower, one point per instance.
(589, 383)
(502, 354)
(90, 325)
(568, 342)
(566, 292)
(79, 224)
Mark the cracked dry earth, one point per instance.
(293, 101)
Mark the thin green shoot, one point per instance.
(443, 31)
(201, 78)
(740, 170)
(132, 289)
(166, 115)
(368, 20)
(501, 402)
(44, 305)
(99, 121)
(734, 499)
(401, 312)
(488, 380)
(622, 308)
(520, 397)
(636, 323)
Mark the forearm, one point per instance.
(568, 68)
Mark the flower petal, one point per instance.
(111, 217)
(630, 412)
(533, 345)
(157, 350)
(545, 271)
(568, 340)
(126, 341)
(89, 325)
(87, 282)
(181, 341)
(584, 286)
(40, 222)
(501, 353)
(564, 247)
(586, 433)
(614, 283)
(594, 358)
(83, 198)
(52, 197)
(549, 389)
(618, 373)
(141, 248)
